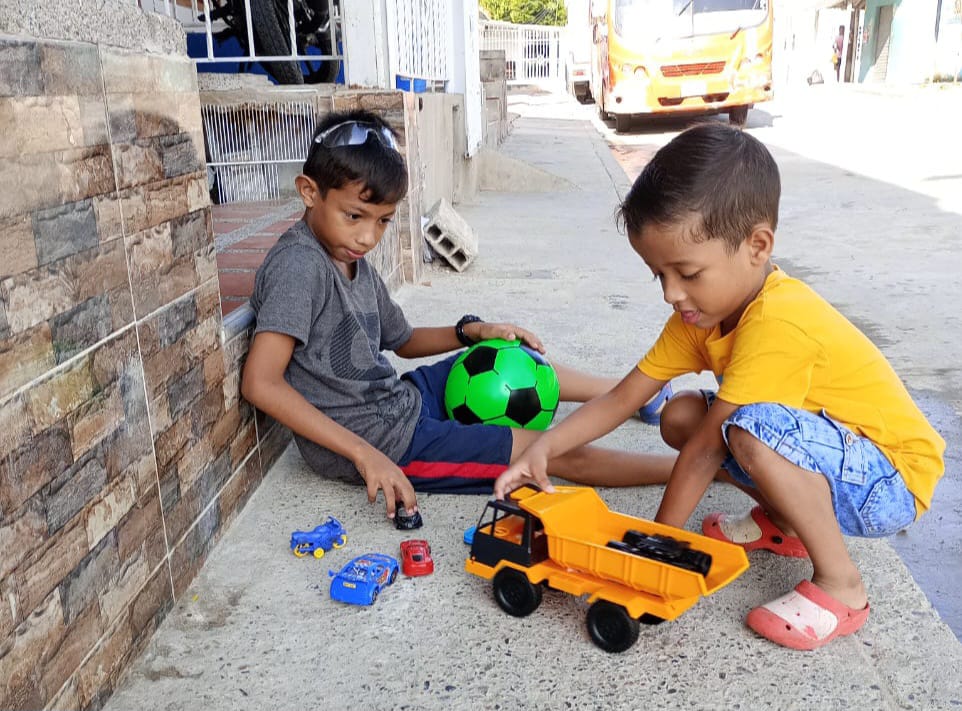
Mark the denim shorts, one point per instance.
(869, 496)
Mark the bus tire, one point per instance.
(515, 594)
(611, 627)
(622, 123)
(738, 116)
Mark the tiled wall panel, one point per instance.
(124, 445)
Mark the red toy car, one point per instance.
(416, 558)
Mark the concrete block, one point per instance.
(450, 236)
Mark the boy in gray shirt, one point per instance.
(324, 318)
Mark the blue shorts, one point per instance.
(445, 456)
(869, 496)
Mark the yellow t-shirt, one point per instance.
(792, 347)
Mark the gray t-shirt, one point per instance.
(340, 327)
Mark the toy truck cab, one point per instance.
(506, 532)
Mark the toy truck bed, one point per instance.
(579, 526)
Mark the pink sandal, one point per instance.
(806, 618)
(752, 532)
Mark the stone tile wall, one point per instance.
(125, 448)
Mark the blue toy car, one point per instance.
(361, 580)
(330, 534)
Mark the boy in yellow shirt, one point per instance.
(809, 418)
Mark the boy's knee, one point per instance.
(743, 445)
(681, 416)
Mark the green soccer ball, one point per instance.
(497, 382)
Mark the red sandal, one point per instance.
(753, 532)
(806, 618)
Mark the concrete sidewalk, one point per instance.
(257, 628)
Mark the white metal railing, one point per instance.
(532, 52)
(418, 35)
(250, 16)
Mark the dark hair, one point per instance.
(380, 168)
(721, 174)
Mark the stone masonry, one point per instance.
(125, 448)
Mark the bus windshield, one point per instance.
(647, 20)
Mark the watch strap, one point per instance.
(459, 329)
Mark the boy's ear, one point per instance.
(761, 242)
(307, 189)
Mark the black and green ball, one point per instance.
(497, 382)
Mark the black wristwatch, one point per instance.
(459, 329)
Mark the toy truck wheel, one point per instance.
(515, 594)
(339, 543)
(611, 627)
(300, 550)
(318, 552)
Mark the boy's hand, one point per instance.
(532, 468)
(379, 472)
(481, 331)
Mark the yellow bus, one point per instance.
(680, 56)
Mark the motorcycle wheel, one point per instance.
(272, 32)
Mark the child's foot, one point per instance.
(650, 413)
(753, 531)
(806, 618)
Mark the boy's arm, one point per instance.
(441, 339)
(592, 420)
(696, 466)
(263, 385)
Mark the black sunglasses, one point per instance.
(355, 133)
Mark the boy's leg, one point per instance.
(761, 527)
(446, 456)
(804, 500)
(578, 386)
(599, 466)
(825, 481)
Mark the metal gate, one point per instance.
(532, 52)
(247, 145)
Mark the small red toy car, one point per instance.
(416, 558)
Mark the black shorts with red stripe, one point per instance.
(446, 456)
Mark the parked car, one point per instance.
(328, 535)
(416, 557)
(361, 580)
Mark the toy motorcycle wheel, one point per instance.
(611, 627)
(339, 543)
(318, 552)
(515, 594)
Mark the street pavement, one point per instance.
(257, 628)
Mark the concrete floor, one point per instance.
(257, 628)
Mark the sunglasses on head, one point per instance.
(355, 133)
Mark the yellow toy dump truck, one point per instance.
(631, 570)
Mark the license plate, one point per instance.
(694, 88)
(350, 585)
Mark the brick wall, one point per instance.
(124, 446)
